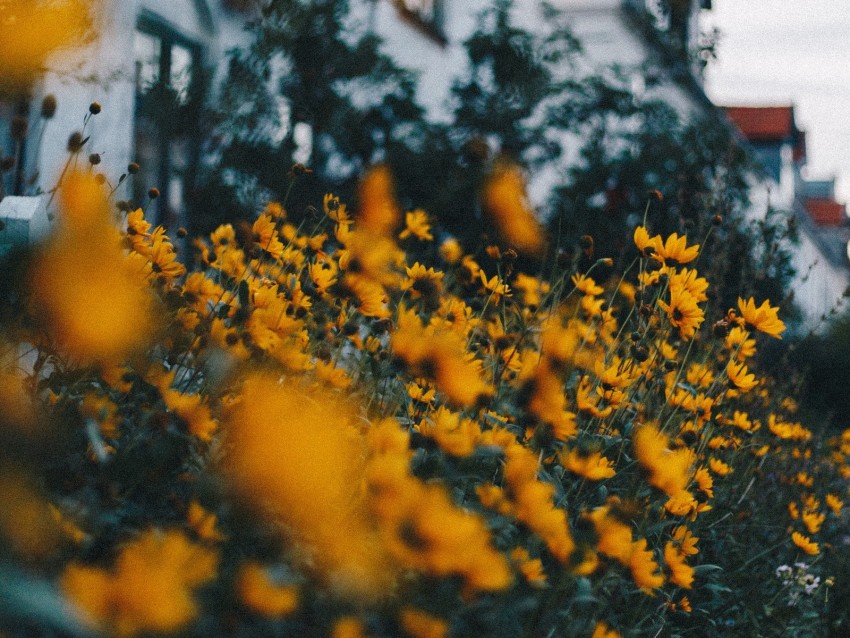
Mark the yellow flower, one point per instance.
(286, 446)
(323, 274)
(719, 467)
(675, 249)
(150, 587)
(203, 523)
(92, 299)
(505, 201)
(534, 500)
(259, 594)
(834, 503)
(614, 537)
(587, 403)
(424, 283)
(690, 281)
(738, 341)
(683, 312)
(586, 285)
(763, 318)
(531, 568)
(669, 470)
(379, 213)
(604, 631)
(159, 251)
(335, 210)
(738, 377)
(594, 467)
(419, 624)
(642, 240)
(681, 573)
(451, 251)
(416, 224)
(685, 541)
(31, 30)
(813, 521)
(532, 289)
(548, 403)
(644, 568)
(348, 627)
(805, 544)
(455, 435)
(496, 287)
(443, 355)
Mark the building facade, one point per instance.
(150, 67)
(156, 62)
(820, 257)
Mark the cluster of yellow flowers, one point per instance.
(416, 434)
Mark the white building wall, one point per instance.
(104, 72)
(819, 284)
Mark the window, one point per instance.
(166, 119)
(426, 15)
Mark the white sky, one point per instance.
(784, 51)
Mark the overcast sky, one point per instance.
(784, 51)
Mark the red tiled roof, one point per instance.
(826, 212)
(763, 123)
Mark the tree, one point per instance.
(306, 66)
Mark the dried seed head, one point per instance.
(48, 106)
(75, 142)
(95, 108)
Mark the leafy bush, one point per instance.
(302, 431)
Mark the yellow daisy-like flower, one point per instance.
(505, 201)
(834, 503)
(594, 467)
(681, 573)
(416, 224)
(738, 377)
(586, 285)
(719, 467)
(685, 541)
(738, 341)
(690, 281)
(805, 543)
(260, 594)
(423, 283)
(419, 624)
(150, 588)
(644, 567)
(684, 312)
(604, 631)
(674, 249)
(643, 241)
(763, 318)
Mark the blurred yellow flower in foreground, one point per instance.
(88, 295)
(31, 30)
(505, 201)
(150, 588)
(299, 455)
